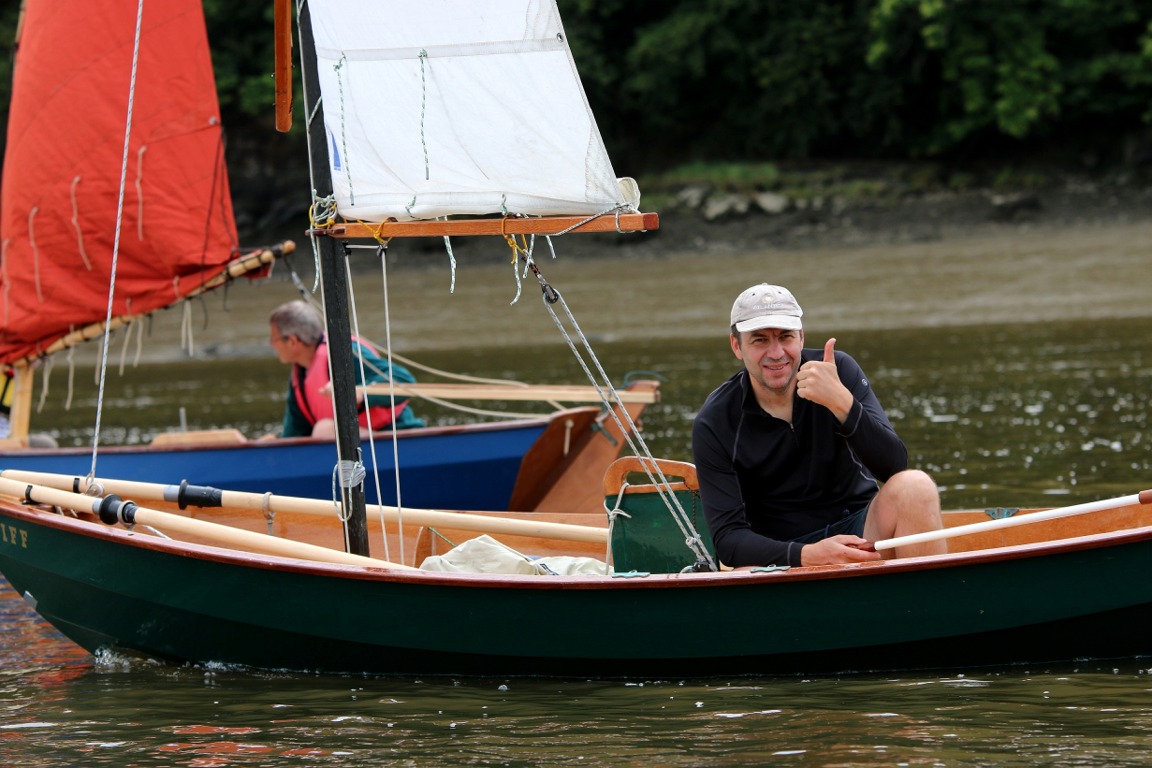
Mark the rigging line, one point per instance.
(423, 104)
(451, 261)
(116, 241)
(140, 192)
(632, 436)
(44, 385)
(409, 362)
(355, 317)
(392, 399)
(35, 252)
(71, 377)
(338, 68)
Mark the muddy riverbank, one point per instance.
(1077, 252)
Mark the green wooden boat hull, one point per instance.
(110, 589)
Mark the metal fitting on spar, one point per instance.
(195, 495)
(112, 509)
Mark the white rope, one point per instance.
(345, 475)
(116, 242)
(35, 252)
(631, 433)
(614, 513)
(44, 386)
(338, 68)
(423, 56)
(71, 377)
(391, 400)
(140, 192)
(417, 366)
(76, 225)
(373, 458)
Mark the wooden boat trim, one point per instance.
(508, 225)
(40, 516)
(562, 393)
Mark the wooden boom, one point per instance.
(508, 225)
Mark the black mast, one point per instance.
(334, 282)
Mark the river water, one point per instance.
(1017, 370)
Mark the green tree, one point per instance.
(983, 70)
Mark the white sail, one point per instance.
(442, 107)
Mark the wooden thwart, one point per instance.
(511, 225)
(563, 393)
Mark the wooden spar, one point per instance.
(562, 393)
(230, 537)
(282, 12)
(334, 290)
(507, 225)
(20, 413)
(258, 502)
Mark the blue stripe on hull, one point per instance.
(453, 469)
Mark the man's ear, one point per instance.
(734, 341)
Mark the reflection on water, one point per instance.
(1024, 415)
(58, 711)
(1001, 415)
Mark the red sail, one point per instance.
(62, 168)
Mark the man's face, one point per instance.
(771, 355)
(280, 343)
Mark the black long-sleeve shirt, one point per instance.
(764, 482)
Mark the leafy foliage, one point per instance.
(762, 80)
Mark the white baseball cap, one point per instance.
(766, 306)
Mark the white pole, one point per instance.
(1144, 497)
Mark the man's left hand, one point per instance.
(819, 381)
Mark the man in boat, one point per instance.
(789, 450)
(297, 335)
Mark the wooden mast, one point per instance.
(334, 283)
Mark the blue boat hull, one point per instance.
(468, 467)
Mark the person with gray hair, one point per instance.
(296, 332)
(797, 462)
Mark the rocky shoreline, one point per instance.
(698, 219)
(717, 220)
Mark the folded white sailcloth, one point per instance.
(485, 554)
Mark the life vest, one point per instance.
(307, 386)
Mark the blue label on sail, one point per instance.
(335, 153)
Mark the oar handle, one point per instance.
(1144, 497)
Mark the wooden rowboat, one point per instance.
(415, 92)
(1071, 588)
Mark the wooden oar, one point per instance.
(110, 509)
(1144, 497)
(462, 521)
